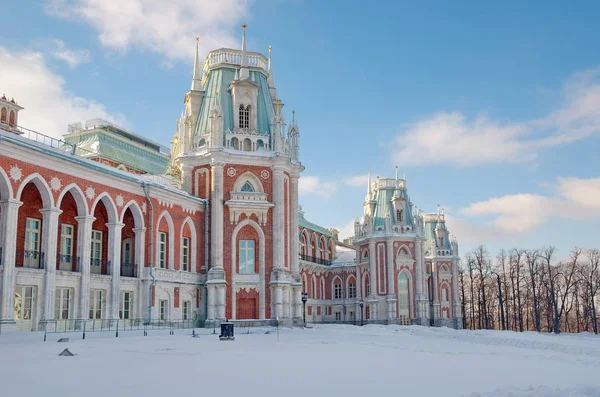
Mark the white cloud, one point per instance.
(520, 214)
(357, 181)
(49, 107)
(73, 58)
(164, 27)
(347, 230)
(313, 185)
(453, 138)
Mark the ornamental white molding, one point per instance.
(90, 193)
(188, 210)
(165, 204)
(55, 183)
(265, 174)
(231, 172)
(16, 173)
(248, 203)
(119, 200)
(144, 207)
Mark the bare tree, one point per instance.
(500, 263)
(483, 267)
(590, 277)
(532, 259)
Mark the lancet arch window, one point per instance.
(247, 187)
(244, 116)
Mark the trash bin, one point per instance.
(226, 332)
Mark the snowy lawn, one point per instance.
(322, 361)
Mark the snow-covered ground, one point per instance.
(323, 361)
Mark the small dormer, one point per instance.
(9, 114)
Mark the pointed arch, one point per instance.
(6, 191)
(323, 247)
(248, 176)
(366, 286)
(170, 259)
(78, 195)
(403, 250)
(42, 186)
(405, 295)
(351, 286)
(193, 243)
(136, 211)
(337, 280)
(109, 204)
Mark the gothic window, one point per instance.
(247, 187)
(441, 241)
(3, 115)
(244, 116)
(403, 295)
(399, 215)
(247, 256)
(11, 121)
(337, 290)
(352, 289)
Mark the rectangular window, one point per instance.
(185, 254)
(24, 302)
(337, 291)
(96, 252)
(66, 247)
(32, 242)
(187, 310)
(162, 250)
(352, 316)
(163, 313)
(444, 294)
(63, 303)
(96, 304)
(338, 316)
(351, 290)
(126, 302)
(246, 252)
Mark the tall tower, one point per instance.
(239, 159)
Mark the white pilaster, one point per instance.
(419, 265)
(455, 295)
(278, 273)
(436, 302)
(391, 298)
(84, 238)
(372, 270)
(294, 261)
(140, 251)
(216, 274)
(8, 223)
(49, 243)
(114, 255)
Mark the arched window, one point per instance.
(3, 115)
(235, 143)
(247, 187)
(247, 145)
(403, 295)
(444, 294)
(352, 289)
(260, 144)
(244, 116)
(337, 290)
(314, 288)
(11, 120)
(399, 215)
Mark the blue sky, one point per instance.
(492, 110)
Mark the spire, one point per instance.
(197, 77)
(293, 117)
(404, 176)
(270, 79)
(269, 65)
(244, 72)
(369, 185)
(396, 173)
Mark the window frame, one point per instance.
(63, 303)
(125, 312)
(162, 249)
(185, 254)
(245, 267)
(97, 304)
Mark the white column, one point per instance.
(84, 240)
(391, 299)
(140, 251)
(436, 302)
(278, 230)
(294, 261)
(114, 255)
(216, 274)
(211, 301)
(8, 223)
(373, 272)
(359, 293)
(421, 301)
(277, 275)
(49, 242)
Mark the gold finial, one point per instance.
(244, 26)
(197, 39)
(270, 48)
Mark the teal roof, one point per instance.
(89, 145)
(383, 207)
(303, 223)
(219, 80)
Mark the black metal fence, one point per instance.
(84, 326)
(31, 259)
(314, 259)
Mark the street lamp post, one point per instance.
(361, 304)
(304, 299)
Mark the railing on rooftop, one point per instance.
(71, 148)
(228, 56)
(314, 259)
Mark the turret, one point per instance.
(294, 138)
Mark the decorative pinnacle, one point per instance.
(197, 39)
(217, 96)
(244, 26)
(293, 117)
(396, 172)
